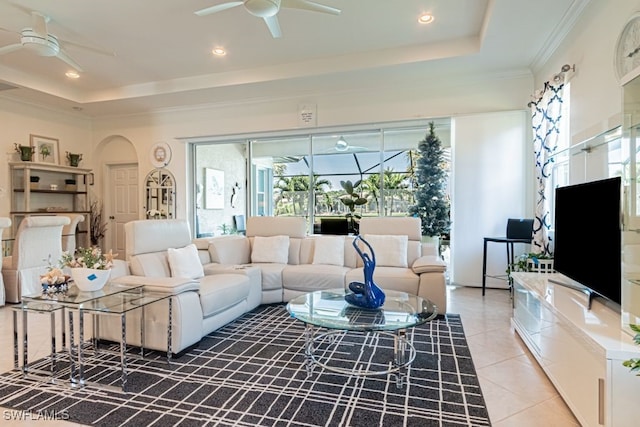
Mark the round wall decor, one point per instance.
(160, 154)
(627, 54)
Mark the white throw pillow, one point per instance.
(390, 250)
(230, 250)
(329, 250)
(185, 262)
(270, 249)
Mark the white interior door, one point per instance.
(123, 204)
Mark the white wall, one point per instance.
(491, 181)
(407, 100)
(596, 95)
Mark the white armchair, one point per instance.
(4, 223)
(69, 232)
(38, 240)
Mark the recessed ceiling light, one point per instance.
(72, 74)
(219, 51)
(425, 18)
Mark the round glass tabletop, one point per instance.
(328, 309)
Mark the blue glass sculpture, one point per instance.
(367, 294)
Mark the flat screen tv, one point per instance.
(587, 237)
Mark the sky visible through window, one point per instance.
(347, 166)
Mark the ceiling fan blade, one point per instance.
(62, 55)
(309, 5)
(89, 48)
(9, 31)
(10, 48)
(218, 8)
(274, 26)
(39, 23)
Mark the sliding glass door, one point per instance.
(325, 177)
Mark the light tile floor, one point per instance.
(516, 390)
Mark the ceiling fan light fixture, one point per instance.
(72, 74)
(219, 51)
(341, 144)
(425, 18)
(262, 8)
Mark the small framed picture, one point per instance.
(45, 149)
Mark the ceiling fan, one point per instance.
(268, 10)
(40, 41)
(342, 146)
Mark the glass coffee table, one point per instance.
(328, 310)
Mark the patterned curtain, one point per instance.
(546, 113)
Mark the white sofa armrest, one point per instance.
(429, 264)
(170, 285)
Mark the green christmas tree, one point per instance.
(432, 204)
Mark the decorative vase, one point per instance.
(365, 294)
(74, 159)
(90, 279)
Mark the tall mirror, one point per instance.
(160, 192)
(631, 223)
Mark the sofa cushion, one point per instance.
(271, 275)
(221, 291)
(309, 277)
(232, 250)
(329, 250)
(154, 264)
(270, 249)
(185, 262)
(390, 250)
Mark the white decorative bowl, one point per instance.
(90, 279)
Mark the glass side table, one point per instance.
(24, 309)
(73, 300)
(119, 305)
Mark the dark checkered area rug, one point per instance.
(252, 373)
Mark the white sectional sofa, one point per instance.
(325, 262)
(215, 280)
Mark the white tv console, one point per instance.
(580, 350)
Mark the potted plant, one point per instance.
(532, 261)
(97, 228)
(26, 152)
(634, 364)
(74, 159)
(432, 202)
(90, 268)
(352, 199)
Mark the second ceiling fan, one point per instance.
(268, 10)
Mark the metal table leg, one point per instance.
(399, 356)
(484, 267)
(169, 330)
(123, 351)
